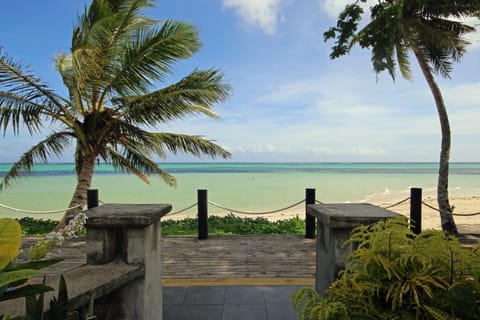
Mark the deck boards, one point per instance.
(236, 257)
(223, 260)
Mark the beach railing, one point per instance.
(415, 198)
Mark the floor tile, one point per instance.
(244, 312)
(205, 295)
(244, 295)
(279, 294)
(198, 312)
(174, 295)
(281, 312)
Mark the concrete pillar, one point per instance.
(335, 223)
(130, 234)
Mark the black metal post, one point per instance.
(92, 198)
(202, 204)
(309, 220)
(416, 209)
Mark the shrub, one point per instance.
(395, 274)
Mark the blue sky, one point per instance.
(290, 102)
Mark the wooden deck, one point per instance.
(220, 260)
(223, 260)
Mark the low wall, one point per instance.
(123, 269)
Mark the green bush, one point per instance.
(36, 227)
(233, 225)
(395, 274)
(227, 225)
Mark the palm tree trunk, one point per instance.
(446, 216)
(79, 198)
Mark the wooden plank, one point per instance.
(273, 256)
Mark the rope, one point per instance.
(466, 214)
(319, 202)
(398, 203)
(430, 206)
(185, 209)
(453, 214)
(40, 212)
(256, 213)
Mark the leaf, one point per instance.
(10, 240)
(36, 265)
(26, 291)
(12, 276)
(462, 299)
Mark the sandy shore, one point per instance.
(430, 220)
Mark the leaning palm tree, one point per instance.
(112, 111)
(431, 30)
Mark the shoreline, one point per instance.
(430, 217)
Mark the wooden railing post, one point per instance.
(309, 220)
(416, 209)
(202, 204)
(92, 198)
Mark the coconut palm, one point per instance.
(118, 55)
(432, 31)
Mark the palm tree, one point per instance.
(111, 112)
(431, 31)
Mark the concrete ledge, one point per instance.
(82, 282)
(349, 215)
(99, 280)
(131, 215)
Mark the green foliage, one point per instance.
(58, 306)
(233, 225)
(395, 274)
(15, 280)
(397, 26)
(36, 227)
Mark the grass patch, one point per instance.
(227, 225)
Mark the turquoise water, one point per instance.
(241, 186)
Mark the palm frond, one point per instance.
(53, 145)
(149, 56)
(64, 65)
(137, 163)
(448, 8)
(442, 43)
(24, 91)
(194, 145)
(403, 61)
(16, 110)
(194, 94)
(99, 41)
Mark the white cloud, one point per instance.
(334, 7)
(262, 13)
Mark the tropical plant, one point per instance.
(15, 279)
(430, 29)
(395, 274)
(117, 56)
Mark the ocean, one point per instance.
(254, 187)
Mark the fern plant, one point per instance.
(395, 274)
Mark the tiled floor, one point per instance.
(228, 303)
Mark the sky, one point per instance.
(290, 101)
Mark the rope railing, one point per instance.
(182, 210)
(453, 214)
(38, 211)
(256, 213)
(397, 203)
